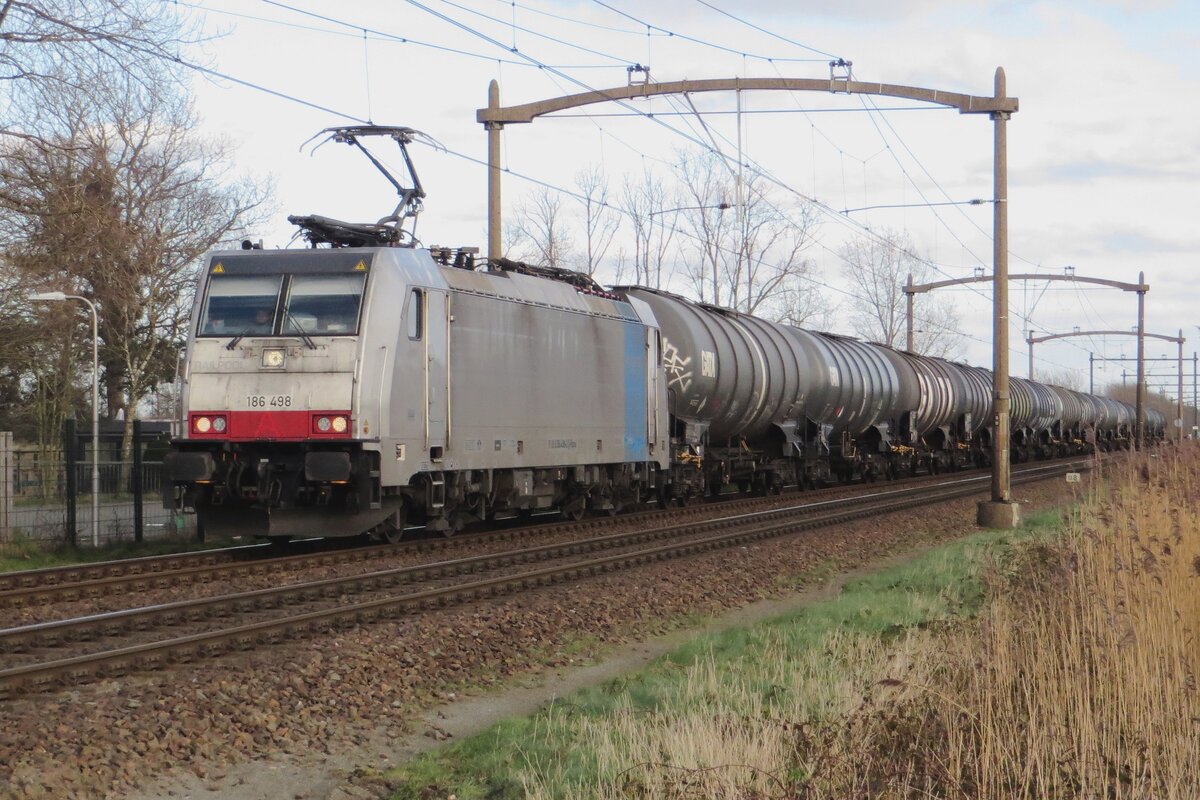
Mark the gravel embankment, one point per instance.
(337, 692)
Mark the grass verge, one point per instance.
(23, 553)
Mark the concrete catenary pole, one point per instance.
(493, 132)
(1179, 403)
(1029, 341)
(1001, 512)
(908, 316)
(1139, 428)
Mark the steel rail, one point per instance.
(81, 581)
(58, 584)
(186, 648)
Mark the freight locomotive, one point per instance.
(368, 384)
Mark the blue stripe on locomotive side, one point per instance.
(635, 392)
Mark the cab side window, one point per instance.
(413, 314)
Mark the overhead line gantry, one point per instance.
(1001, 512)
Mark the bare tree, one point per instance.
(750, 258)
(600, 223)
(539, 230)
(802, 303)
(877, 267)
(116, 203)
(46, 44)
(648, 205)
(1067, 378)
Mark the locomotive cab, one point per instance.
(272, 429)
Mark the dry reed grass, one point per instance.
(1084, 681)
(1079, 680)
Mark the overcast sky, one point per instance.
(1104, 154)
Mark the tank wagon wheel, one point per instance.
(574, 509)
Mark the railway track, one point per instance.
(83, 581)
(148, 638)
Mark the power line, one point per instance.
(758, 170)
(355, 31)
(764, 30)
(713, 45)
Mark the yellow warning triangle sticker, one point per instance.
(361, 266)
(219, 269)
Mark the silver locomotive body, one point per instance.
(335, 391)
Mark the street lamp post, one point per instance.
(55, 296)
(722, 206)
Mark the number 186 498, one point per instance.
(268, 401)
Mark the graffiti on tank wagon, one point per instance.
(676, 367)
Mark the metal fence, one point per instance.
(49, 499)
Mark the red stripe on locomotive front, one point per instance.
(243, 426)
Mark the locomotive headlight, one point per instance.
(203, 424)
(218, 424)
(273, 357)
(339, 424)
(323, 424)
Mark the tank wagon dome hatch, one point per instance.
(388, 231)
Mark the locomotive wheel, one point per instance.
(391, 530)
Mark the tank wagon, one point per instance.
(368, 383)
(761, 404)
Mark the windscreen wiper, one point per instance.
(304, 337)
(233, 342)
